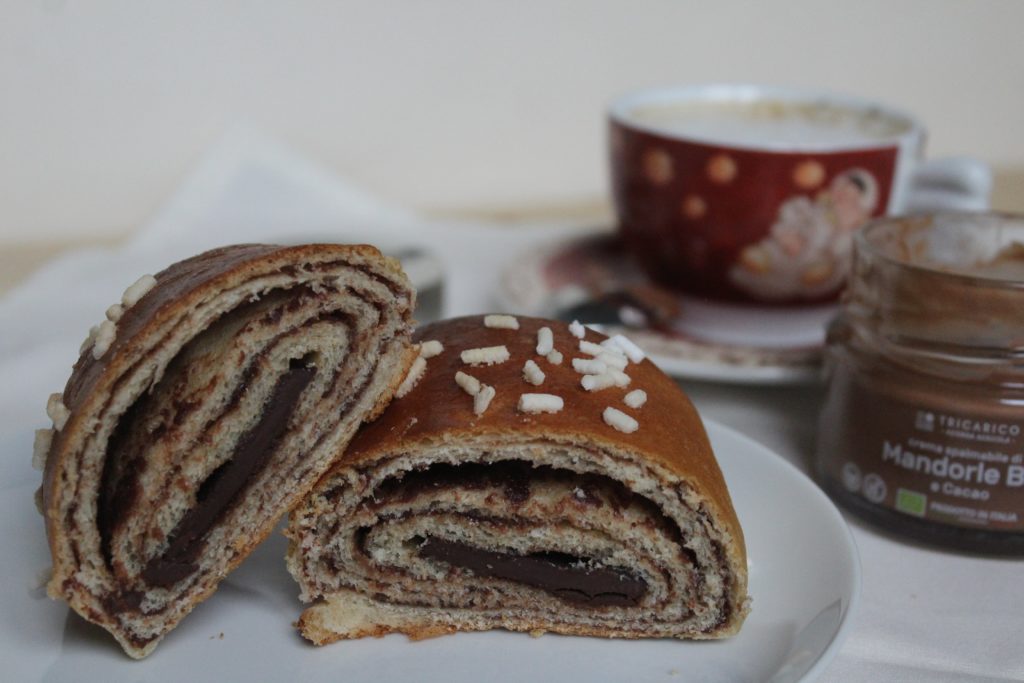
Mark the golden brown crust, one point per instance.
(671, 433)
(179, 289)
(669, 452)
(331, 620)
(312, 630)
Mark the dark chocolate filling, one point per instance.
(578, 580)
(125, 461)
(566, 577)
(118, 489)
(221, 489)
(515, 478)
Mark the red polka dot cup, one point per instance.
(752, 193)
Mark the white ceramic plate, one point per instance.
(804, 579)
(713, 341)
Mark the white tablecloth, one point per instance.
(925, 615)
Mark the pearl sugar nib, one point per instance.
(588, 366)
(501, 322)
(597, 382)
(470, 384)
(105, 336)
(614, 361)
(540, 403)
(619, 420)
(487, 355)
(137, 290)
(532, 373)
(635, 399)
(591, 349)
(483, 399)
(57, 411)
(625, 346)
(429, 349)
(545, 341)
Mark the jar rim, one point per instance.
(866, 241)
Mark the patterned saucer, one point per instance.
(590, 278)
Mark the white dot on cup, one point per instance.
(658, 166)
(693, 207)
(808, 174)
(722, 169)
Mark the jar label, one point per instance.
(955, 468)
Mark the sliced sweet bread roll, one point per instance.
(207, 405)
(514, 488)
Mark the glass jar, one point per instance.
(922, 431)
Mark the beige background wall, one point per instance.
(443, 105)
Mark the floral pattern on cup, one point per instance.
(807, 251)
(742, 224)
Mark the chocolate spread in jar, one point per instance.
(923, 426)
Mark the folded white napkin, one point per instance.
(249, 188)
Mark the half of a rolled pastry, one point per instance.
(530, 479)
(210, 400)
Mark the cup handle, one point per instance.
(949, 184)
